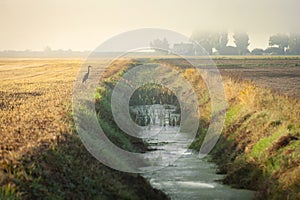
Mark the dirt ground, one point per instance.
(280, 75)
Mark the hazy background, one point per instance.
(84, 24)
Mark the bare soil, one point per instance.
(280, 75)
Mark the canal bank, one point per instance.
(259, 146)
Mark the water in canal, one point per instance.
(184, 176)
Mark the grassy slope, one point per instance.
(42, 157)
(260, 145)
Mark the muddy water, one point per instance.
(184, 176)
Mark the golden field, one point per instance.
(35, 98)
(41, 155)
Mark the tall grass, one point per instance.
(260, 144)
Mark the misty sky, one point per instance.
(85, 24)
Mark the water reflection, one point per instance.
(184, 176)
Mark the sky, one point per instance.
(85, 24)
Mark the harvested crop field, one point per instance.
(41, 155)
(35, 97)
(282, 75)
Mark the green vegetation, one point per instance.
(153, 94)
(259, 147)
(104, 113)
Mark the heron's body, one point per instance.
(86, 76)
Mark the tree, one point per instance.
(222, 40)
(280, 40)
(184, 49)
(210, 40)
(204, 39)
(257, 51)
(160, 45)
(229, 50)
(222, 47)
(274, 51)
(294, 44)
(241, 41)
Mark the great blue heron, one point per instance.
(86, 76)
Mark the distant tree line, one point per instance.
(216, 43)
(281, 44)
(46, 53)
(160, 45)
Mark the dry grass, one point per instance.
(35, 102)
(260, 143)
(41, 156)
(35, 98)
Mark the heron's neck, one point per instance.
(88, 70)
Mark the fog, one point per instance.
(84, 24)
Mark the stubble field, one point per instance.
(35, 98)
